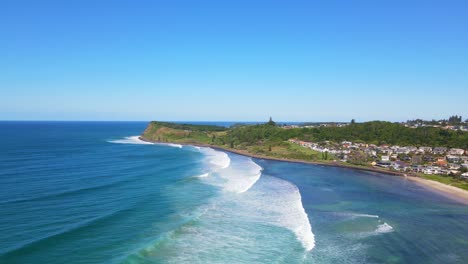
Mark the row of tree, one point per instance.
(376, 132)
(453, 120)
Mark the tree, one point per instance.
(269, 147)
(454, 120)
(353, 121)
(271, 122)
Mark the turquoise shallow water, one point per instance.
(89, 192)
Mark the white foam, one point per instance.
(241, 177)
(252, 181)
(238, 177)
(137, 141)
(384, 228)
(251, 213)
(131, 140)
(173, 145)
(355, 215)
(276, 202)
(283, 207)
(204, 175)
(217, 159)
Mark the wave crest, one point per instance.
(131, 140)
(384, 228)
(137, 141)
(217, 160)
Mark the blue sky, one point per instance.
(233, 60)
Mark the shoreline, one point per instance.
(448, 191)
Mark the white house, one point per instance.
(425, 149)
(455, 151)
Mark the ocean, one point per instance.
(92, 192)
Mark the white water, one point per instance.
(172, 145)
(271, 201)
(202, 175)
(279, 202)
(384, 228)
(355, 215)
(250, 217)
(137, 141)
(216, 159)
(131, 140)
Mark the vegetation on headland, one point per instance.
(263, 136)
(271, 140)
(265, 139)
(380, 132)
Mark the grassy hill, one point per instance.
(271, 140)
(254, 139)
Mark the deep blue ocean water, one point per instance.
(91, 192)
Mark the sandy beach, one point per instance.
(452, 192)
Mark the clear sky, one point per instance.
(233, 60)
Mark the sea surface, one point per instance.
(91, 192)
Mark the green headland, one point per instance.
(375, 146)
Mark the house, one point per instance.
(412, 149)
(346, 144)
(417, 168)
(383, 164)
(425, 149)
(441, 162)
(454, 166)
(385, 158)
(371, 153)
(430, 170)
(428, 158)
(402, 150)
(452, 158)
(400, 165)
(439, 150)
(455, 151)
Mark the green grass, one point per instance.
(447, 180)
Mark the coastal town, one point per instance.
(410, 159)
(454, 123)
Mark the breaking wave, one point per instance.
(137, 141)
(216, 159)
(249, 212)
(384, 228)
(272, 201)
(202, 175)
(131, 140)
(172, 145)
